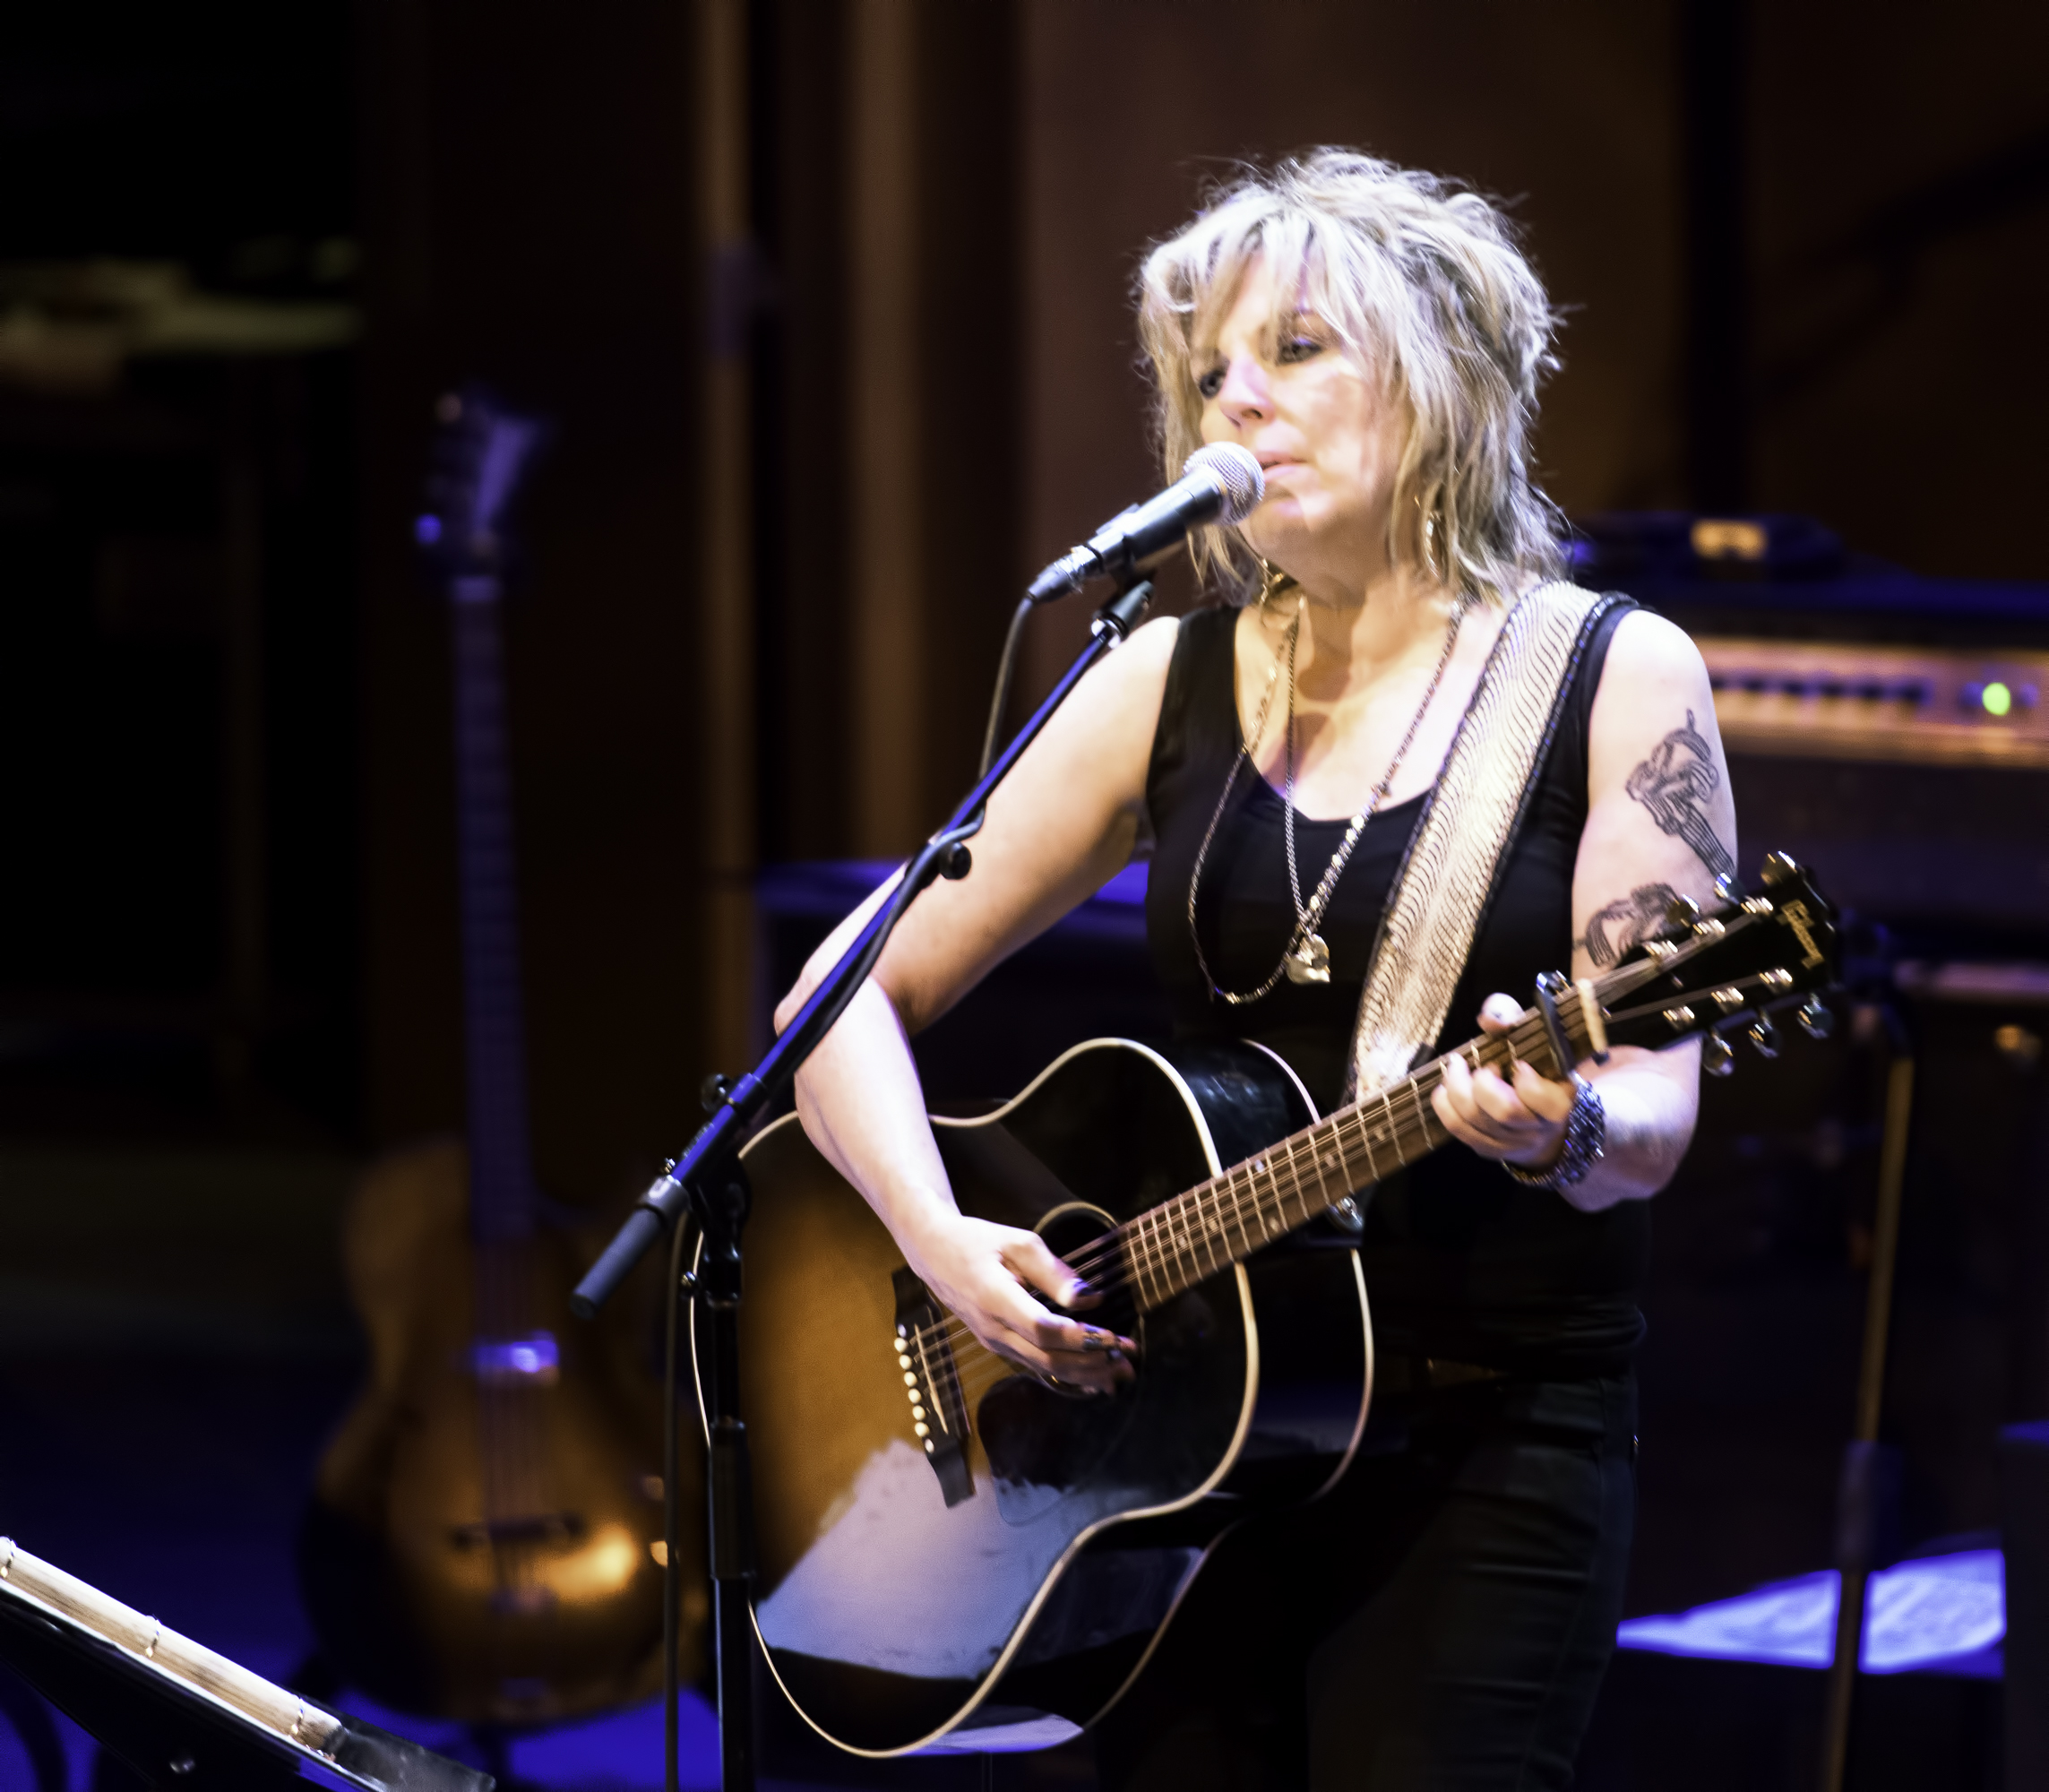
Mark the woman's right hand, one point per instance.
(988, 1276)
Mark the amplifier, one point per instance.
(1905, 705)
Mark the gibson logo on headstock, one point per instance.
(1796, 917)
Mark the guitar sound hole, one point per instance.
(1045, 1443)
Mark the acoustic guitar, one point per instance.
(483, 1540)
(948, 1544)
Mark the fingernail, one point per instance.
(1075, 1290)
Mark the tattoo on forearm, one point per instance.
(1626, 922)
(1674, 784)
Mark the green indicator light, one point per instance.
(1998, 700)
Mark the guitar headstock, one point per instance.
(1727, 969)
(481, 455)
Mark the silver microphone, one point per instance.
(1221, 483)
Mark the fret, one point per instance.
(1238, 1206)
(1318, 1148)
(1318, 1159)
(1293, 1182)
(1208, 1217)
(1422, 1115)
(1214, 1203)
(1294, 1174)
(1373, 1173)
(1267, 1227)
(1155, 1256)
(1394, 1128)
(1178, 1265)
(1133, 1259)
(1184, 1265)
(1195, 1224)
(1162, 1258)
(1223, 1217)
(1266, 1186)
(1162, 1254)
(1137, 1261)
(1279, 1190)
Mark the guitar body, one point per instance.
(443, 1576)
(891, 1615)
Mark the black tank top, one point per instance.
(1460, 1262)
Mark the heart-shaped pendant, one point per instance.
(1309, 962)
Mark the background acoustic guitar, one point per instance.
(483, 1540)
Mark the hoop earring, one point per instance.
(1428, 540)
(1273, 581)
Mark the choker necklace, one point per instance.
(1306, 958)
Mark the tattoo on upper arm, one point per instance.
(1674, 784)
(1627, 921)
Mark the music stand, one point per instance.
(186, 1718)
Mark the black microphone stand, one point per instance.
(701, 1200)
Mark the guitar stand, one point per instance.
(702, 1197)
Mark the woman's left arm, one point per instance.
(1660, 823)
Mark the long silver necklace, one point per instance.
(1306, 958)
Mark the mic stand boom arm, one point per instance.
(706, 1186)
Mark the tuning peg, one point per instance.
(1718, 1056)
(1764, 1036)
(1815, 1020)
(1727, 889)
(1681, 911)
(1779, 869)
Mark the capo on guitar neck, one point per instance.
(1550, 985)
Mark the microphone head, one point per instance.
(1237, 475)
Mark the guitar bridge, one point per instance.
(938, 1409)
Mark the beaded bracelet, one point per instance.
(1586, 1138)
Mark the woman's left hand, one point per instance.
(1521, 1122)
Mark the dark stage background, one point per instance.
(829, 303)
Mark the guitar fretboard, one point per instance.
(1188, 1239)
(502, 1199)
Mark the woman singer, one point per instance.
(1376, 338)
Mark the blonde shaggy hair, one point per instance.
(1424, 281)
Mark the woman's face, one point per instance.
(1327, 437)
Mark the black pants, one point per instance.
(1441, 1619)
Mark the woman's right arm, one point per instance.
(1064, 821)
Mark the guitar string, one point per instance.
(1198, 1216)
(1179, 1265)
(1182, 1263)
(977, 1368)
(1190, 1233)
(1129, 1243)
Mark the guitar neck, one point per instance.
(502, 1199)
(1188, 1239)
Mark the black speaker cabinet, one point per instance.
(2024, 1495)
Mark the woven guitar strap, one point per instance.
(1453, 866)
